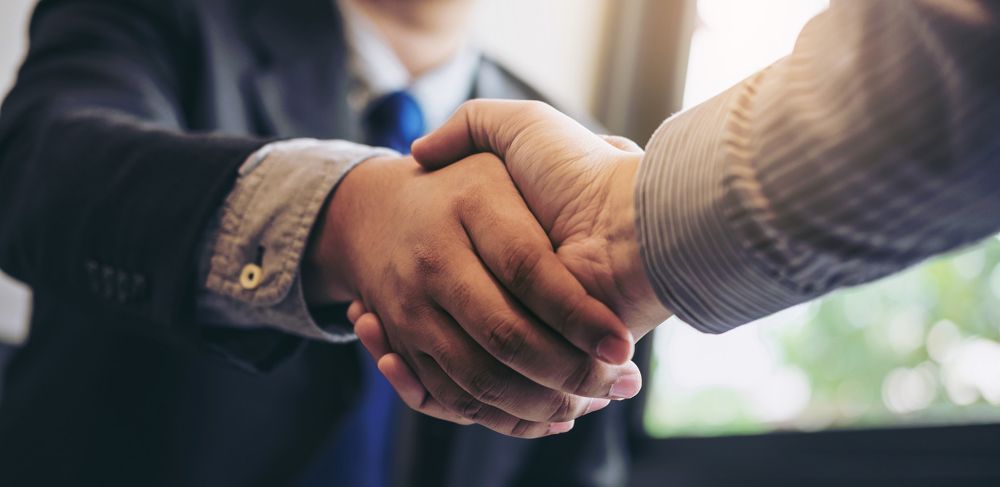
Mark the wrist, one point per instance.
(326, 272)
(639, 306)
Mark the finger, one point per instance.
(413, 394)
(490, 319)
(622, 143)
(489, 126)
(525, 264)
(459, 402)
(355, 310)
(494, 384)
(370, 332)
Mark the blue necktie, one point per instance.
(360, 453)
(394, 121)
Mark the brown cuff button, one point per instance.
(251, 276)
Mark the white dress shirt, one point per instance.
(874, 145)
(376, 71)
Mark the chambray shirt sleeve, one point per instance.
(251, 254)
(872, 147)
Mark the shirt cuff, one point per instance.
(252, 251)
(700, 262)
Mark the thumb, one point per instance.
(477, 126)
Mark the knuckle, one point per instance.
(468, 201)
(470, 408)
(579, 379)
(487, 387)
(410, 319)
(420, 405)
(563, 408)
(440, 351)
(521, 262)
(505, 340)
(569, 316)
(475, 196)
(413, 309)
(438, 392)
(523, 429)
(428, 261)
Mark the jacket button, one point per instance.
(123, 287)
(93, 276)
(108, 281)
(251, 276)
(138, 286)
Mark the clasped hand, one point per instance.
(493, 285)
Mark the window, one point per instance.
(920, 348)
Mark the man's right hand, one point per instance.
(471, 295)
(579, 185)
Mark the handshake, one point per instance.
(495, 274)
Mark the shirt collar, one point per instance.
(376, 71)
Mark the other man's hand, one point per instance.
(578, 184)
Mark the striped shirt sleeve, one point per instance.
(874, 145)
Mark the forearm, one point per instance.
(865, 151)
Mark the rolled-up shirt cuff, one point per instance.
(250, 268)
(695, 245)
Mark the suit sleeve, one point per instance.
(104, 190)
(873, 146)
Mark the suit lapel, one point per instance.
(302, 82)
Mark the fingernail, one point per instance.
(559, 428)
(626, 387)
(613, 350)
(597, 405)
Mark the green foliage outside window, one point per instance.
(918, 348)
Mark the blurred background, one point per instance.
(919, 349)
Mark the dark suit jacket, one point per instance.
(119, 141)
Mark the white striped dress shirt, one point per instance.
(873, 146)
